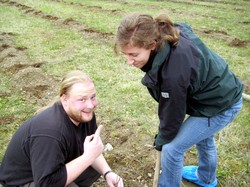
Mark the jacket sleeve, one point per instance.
(176, 81)
(171, 111)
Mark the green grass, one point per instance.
(122, 98)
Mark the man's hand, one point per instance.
(114, 180)
(93, 148)
(93, 145)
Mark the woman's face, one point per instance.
(136, 56)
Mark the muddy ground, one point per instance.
(134, 160)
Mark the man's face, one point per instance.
(80, 102)
(136, 56)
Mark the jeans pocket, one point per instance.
(230, 115)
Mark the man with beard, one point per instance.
(61, 145)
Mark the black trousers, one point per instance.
(86, 179)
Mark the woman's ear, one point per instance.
(153, 46)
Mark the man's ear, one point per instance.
(64, 99)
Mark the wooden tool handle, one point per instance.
(157, 168)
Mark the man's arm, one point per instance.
(93, 148)
(101, 165)
(112, 179)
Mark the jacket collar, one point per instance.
(150, 79)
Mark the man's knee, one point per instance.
(87, 178)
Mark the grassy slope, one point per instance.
(120, 92)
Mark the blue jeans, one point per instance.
(197, 131)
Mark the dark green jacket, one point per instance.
(189, 79)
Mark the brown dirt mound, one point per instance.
(27, 77)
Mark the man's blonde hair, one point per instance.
(71, 78)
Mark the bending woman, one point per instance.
(185, 77)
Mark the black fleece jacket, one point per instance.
(189, 79)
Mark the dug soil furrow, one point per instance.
(26, 76)
(69, 23)
(94, 8)
(89, 33)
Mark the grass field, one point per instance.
(41, 40)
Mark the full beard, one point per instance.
(80, 117)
